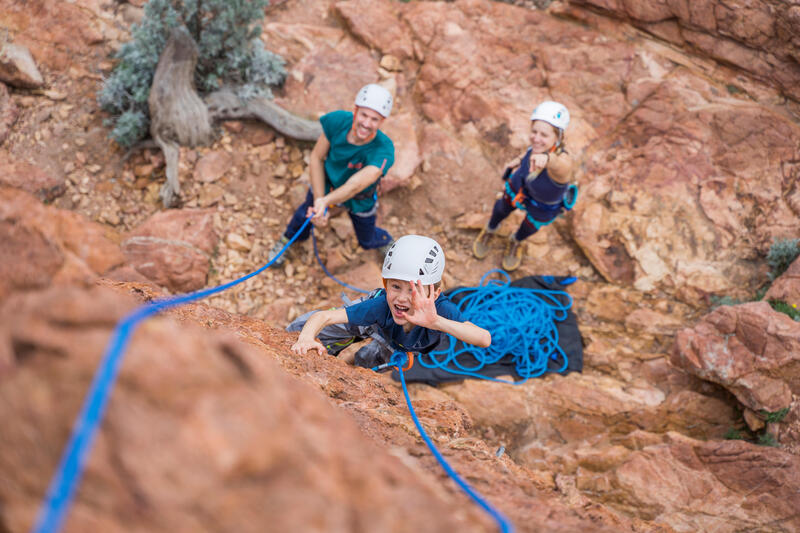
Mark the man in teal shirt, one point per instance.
(347, 162)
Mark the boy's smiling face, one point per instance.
(399, 297)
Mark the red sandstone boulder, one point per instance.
(172, 248)
(377, 22)
(197, 419)
(750, 349)
(692, 485)
(688, 188)
(43, 244)
(760, 37)
(787, 286)
(55, 31)
(31, 178)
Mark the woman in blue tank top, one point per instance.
(536, 182)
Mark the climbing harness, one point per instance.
(398, 359)
(518, 200)
(522, 323)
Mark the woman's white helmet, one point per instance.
(553, 113)
(412, 258)
(376, 98)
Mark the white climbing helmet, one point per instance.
(553, 113)
(414, 257)
(376, 98)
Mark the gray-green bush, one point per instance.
(781, 254)
(230, 53)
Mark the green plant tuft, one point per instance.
(782, 307)
(733, 434)
(718, 301)
(781, 254)
(766, 439)
(776, 416)
(230, 53)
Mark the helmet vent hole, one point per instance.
(428, 260)
(421, 273)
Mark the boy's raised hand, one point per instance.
(423, 305)
(302, 346)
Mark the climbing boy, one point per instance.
(409, 315)
(346, 164)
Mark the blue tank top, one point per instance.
(542, 189)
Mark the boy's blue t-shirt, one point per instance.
(345, 159)
(376, 311)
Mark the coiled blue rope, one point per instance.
(522, 323)
(398, 360)
(62, 487)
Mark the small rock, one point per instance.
(390, 62)
(296, 170)
(233, 126)
(54, 95)
(17, 67)
(212, 166)
(261, 136)
(277, 190)
(754, 422)
(280, 171)
(237, 242)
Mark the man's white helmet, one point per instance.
(553, 113)
(414, 257)
(376, 98)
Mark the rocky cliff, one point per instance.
(686, 127)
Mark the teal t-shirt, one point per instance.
(345, 159)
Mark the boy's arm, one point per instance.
(464, 331)
(423, 313)
(308, 335)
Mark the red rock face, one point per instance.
(203, 417)
(172, 248)
(749, 349)
(688, 171)
(759, 37)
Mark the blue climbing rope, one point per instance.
(62, 487)
(522, 323)
(398, 359)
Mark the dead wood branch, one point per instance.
(177, 114)
(224, 104)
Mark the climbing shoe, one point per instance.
(480, 248)
(276, 249)
(513, 257)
